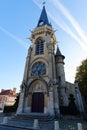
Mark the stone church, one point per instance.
(44, 89)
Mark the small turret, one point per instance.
(59, 56)
(60, 67)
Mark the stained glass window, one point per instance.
(39, 68)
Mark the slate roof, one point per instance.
(6, 92)
(58, 52)
(43, 18)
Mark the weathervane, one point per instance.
(44, 3)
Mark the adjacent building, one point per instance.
(7, 97)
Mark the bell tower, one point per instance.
(43, 47)
(44, 89)
(40, 71)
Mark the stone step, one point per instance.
(40, 117)
(64, 124)
(45, 121)
(30, 125)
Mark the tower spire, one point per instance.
(58, 52)
(43, 20)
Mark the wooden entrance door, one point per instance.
(38, 102)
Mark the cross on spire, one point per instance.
(44, 3)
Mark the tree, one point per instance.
(72, 106)
(81, 77)
(13, 108)
(17, 101)
(71, 109)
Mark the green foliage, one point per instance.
(8, 109)
(64, 110)
(81, 77)
(71, 108)
(16, 101)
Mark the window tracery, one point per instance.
(39, 47)
(39, 68)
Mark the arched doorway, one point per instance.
(38, 102)
(37, 96)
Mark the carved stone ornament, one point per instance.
(23, 86)
(29, 50)
(50, 83)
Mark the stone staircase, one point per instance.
(46, 122)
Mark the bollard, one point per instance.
(79, 126)
(35, 123)
(5, 120)
(56, 125)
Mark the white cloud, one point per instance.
(66, 28)
(20, 41)
(79, 35)
(72, 20)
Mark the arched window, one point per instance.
(39, 47)
(39, 68)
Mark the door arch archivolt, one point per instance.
(37, 88)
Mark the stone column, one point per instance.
(56, 125)
(54, 67)
(50, 67)
(36, 126)
(56, 101)
(27, 65)
(26, 69)
(79, 126)
(45, 103)
(51, 103)
(21, 102)
(50, 61)
(28, 100)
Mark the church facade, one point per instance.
(44, 89)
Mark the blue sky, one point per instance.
(18, 17)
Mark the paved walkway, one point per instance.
(9, 128)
